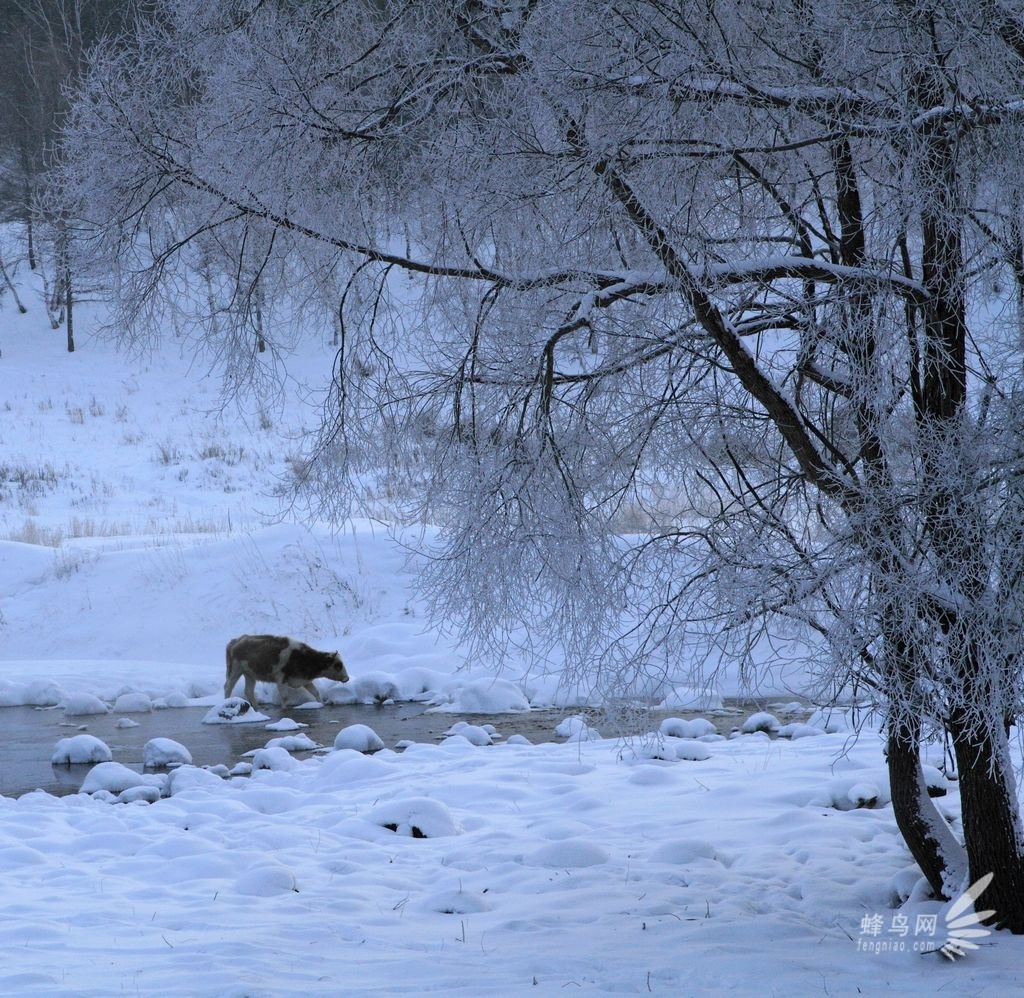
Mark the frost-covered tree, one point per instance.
(692, 323)
(42, 49)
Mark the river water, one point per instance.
(30, 734)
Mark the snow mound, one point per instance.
(660, 749)
(677, 727)
(692, 751)
(81, 704)
(863, 790)
(455, 902)
(36, 693)
(159, 753)
(126, 722)
(799, 730)
(234, 710)
(485, 696)
(371, 687)
(275, 757)
(682, 852)
(294, 743)
(186, 778)
(831, 720)
(568, 854)
(340, 695)
(133, 703)
(114, 778)
(416, 817)
(473, 733)
(80, 749)
(935, 781)
(576, 729)
(863, 794)
(761, 721)
(285, 724)
(266, 880)
(135, 795)
(360, 737)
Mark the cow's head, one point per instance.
(336, 669)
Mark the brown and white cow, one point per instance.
(268, 658)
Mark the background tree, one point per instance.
(42, 54)
(719, 270)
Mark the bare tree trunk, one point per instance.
(931, 842)
(69, 300)
(989, 808)
(928, 837)
(10, 284)
(30, 232)
(991, 823)
(261, 343)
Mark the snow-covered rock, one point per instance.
(831, 720)
(677, 727)
(485, 696)
(158, 753)
(234, 710)
(692, 751)
(275, 758)
(294, 743)
(114, 778)
(417, 817)
(145, 794)
(373, 687)
(576, 729)
(360, 737)
(473, 733)
(285, 724)
(80, 749)
(186, 778)
(83, 704)
(761, 721)
(34, 693)
(799, 730)
(133, 703)
(935, 781)
(863, 794)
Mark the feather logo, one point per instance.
(962, 929)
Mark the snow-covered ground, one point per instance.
(139, 530)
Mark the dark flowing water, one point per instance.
(30, 734)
